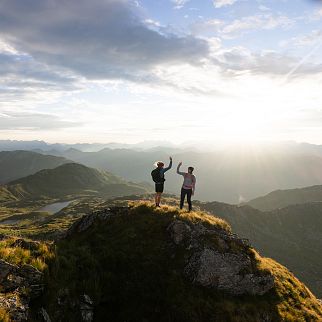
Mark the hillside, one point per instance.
(291, 235)
(71, 179)
(142, 264)
(18, 164)
(282, 198)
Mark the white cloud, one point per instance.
(223, 3)
(256, 22)
(317, 15)
(310, 39)
(208, 26)
(264, 8)
(179, 3)
(33, 121)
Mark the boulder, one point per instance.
(6, 269)
(26, 244)
(179, 231)
(31, 274)
(229, 272)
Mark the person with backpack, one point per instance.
(158, 177)
(188, 186)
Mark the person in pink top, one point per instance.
(188, 186)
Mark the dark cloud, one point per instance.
(21, 74)
(32, 121)
(97, 39)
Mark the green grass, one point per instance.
(38, 257)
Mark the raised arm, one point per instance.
(178, 169)
(169, 166)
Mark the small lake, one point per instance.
(55, 207)
(52, 209)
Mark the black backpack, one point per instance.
(156, 176)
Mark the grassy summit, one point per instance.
(147, 264)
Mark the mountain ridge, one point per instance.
(283, 198)
(71, 179)
(19, 163)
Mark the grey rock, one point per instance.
(15, 306)
(87, 309)
(43, 315)
(179, 231)
(229, 272)
(87, 221)
(6, 269)
(26, 244)
(31, 274)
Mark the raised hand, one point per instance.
(170, 158)
(180, 163)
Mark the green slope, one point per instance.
(18, 164)
(71, 179)
(282, 198)
(134, 269)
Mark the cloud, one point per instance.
(317, 15)
(211, 25)
(32, 121)
(310, 39)
(256, 22)
(179, 3)
(223, 3)
(96, 39)
(21, 76)
(241, 60)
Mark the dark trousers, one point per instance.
(184, 193)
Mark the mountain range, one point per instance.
(284, 198)
(233, 177)
(18, 164)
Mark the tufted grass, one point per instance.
(38, 257)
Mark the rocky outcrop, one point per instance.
(26, 244)
(227, 266)
(179, 231)
(18, 286)
(88, 220)
(227, 272)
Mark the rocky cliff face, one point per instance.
(227, 265)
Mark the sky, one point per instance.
(175, 70)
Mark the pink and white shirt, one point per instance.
(189, 181)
